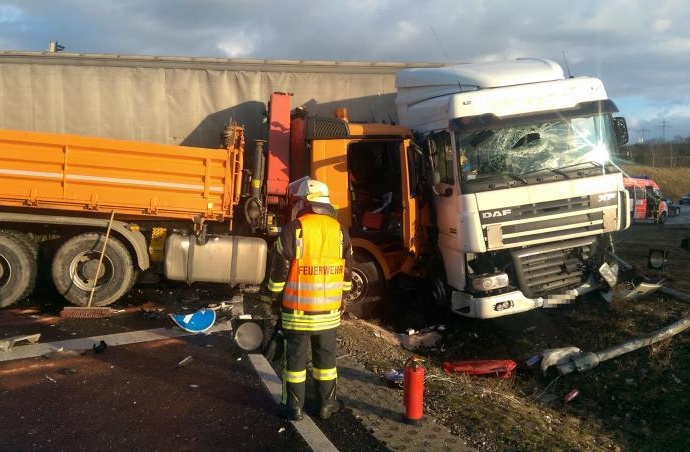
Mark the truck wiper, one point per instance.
(517, 177)
(559, 172)
(503, 180)
(544, 170)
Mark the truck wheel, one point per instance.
(368, 287)
(75, 265)
(662, 218)
(17, 269)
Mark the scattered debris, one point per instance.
(531, 362)
(557, 356)
(573, 360)
(572, 395)
(50, 379)
(394, 377)
(60, 353)
(415, 341)
(381, 333)
(154, 314)
(100, 347)
(197, 322)
(185, 361)
(7, 344)
(502, 368)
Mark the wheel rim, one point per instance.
(356, 294)
(83, 270)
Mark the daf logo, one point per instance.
(607, 197)
(497, 213)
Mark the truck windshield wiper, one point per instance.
(517, 177)
(568, 170)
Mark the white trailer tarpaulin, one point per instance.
(184, 101)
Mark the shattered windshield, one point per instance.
(512, 150)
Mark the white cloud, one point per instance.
(238, 45)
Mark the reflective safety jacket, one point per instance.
(318, 255)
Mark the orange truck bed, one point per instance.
(40, 171)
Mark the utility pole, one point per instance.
(664, 125)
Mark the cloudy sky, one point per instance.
(639, 48)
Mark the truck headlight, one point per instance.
(489, 281)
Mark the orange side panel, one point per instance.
(135, 179)
(277, 162)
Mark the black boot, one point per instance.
(290, 413)
(329, 404)
(330, 407)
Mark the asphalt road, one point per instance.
(137, 396)
(683, 218)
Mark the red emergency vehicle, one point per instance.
(646, 199)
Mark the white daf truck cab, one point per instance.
(525, 193)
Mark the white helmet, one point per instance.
(311, 190)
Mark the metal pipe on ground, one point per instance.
(581, 362)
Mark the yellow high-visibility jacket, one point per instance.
(311, 266)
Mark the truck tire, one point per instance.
(18, 268)
(74, 269)
(368, 287)
(662, 218)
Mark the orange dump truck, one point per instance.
(68, 187)
(192, 214)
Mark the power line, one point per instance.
(664, 125)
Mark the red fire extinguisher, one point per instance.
(414, 390)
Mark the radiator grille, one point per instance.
(546, 269)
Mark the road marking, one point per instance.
(306, 427)
(34, 350)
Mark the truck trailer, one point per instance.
(497, 188)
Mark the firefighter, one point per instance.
(311, 267)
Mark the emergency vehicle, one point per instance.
(646, 199)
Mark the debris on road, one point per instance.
(61, 353)
(197, 322)
(100, 347)
(184, 362)
(7, 344)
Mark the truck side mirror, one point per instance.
(621, 129)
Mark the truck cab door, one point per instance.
(412, 173)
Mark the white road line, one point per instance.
(34, 350)
(306, 427)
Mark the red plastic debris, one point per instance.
(502, 368)
(571, 395)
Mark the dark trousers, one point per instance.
(323, 346)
